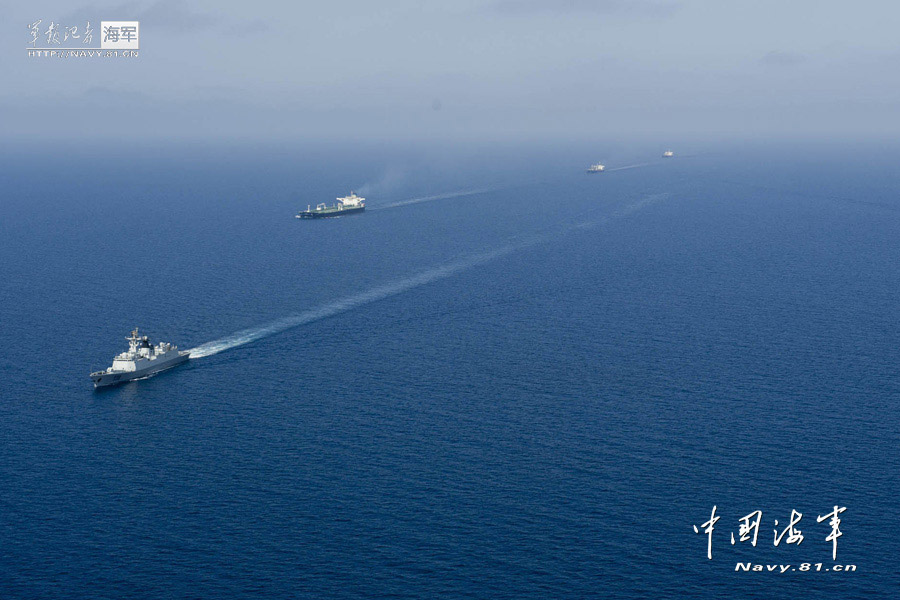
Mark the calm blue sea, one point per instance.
(507, 379)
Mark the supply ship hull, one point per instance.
(331, 211)
(109, 378)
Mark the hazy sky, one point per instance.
(465, 69)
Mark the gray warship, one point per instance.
(142, 359)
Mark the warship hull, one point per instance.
(110, 378)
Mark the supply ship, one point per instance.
(597, 168)
(142, 359)
(347, 205)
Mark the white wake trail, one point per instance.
(446, 196)
(636, 206)
(402, 285)
(350, 302)
(484, 190)
(631, 166)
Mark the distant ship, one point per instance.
(597, 168)
(142, 359)
(668, 154)
(344, 206)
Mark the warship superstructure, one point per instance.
(344, 206)
(142, 359)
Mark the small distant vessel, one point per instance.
(668, 154)
(344, 206)
(597, 168)
(142, 359)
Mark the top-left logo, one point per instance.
(116, 38)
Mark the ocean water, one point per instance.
(507, 379)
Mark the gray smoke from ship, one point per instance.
(388, 182)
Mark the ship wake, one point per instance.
(447, 196)
(350, 302)
(402, 285)
(637, 166)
